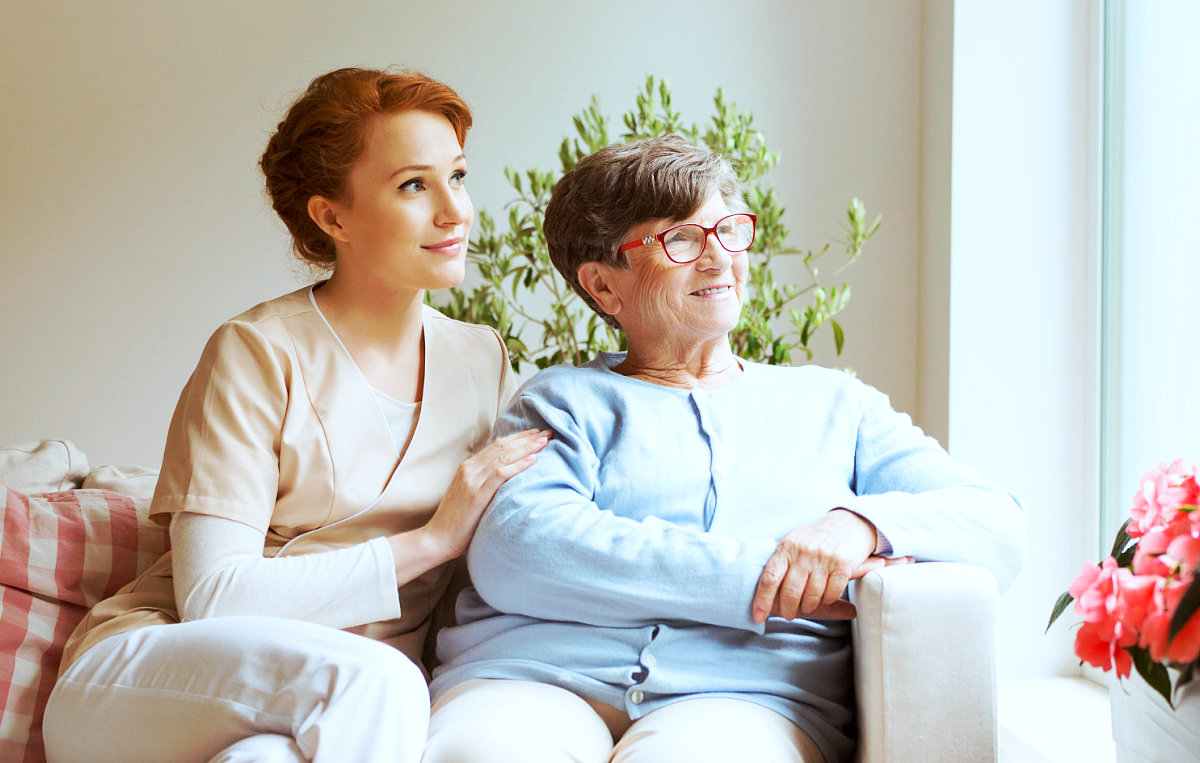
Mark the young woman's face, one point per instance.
(407, 215)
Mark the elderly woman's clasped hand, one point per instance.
(812, 565)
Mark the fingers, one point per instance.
(822, 587)
(797, 582)
(504, 457)
(876, 562)
(801, 590)
(870, 565)
(791, 590)
(480, 476)
(516, 453)
(515, 446)
(475, 484)
(835, 586)
(768, 586)
(837, 609)
(811, 566)
(815, 593)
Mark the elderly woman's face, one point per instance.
(656, 299)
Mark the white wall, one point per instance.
(937, 112)
(133, 220)
(1022, 362)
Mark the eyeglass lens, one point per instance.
(685, 243)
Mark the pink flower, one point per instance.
(1185, 550)
(1169, 550)
(1164, 491)
(1131, 607)
(1147, 558)
(1094, 590)
(1093, 648)
(1135, 599)
(1087, 576)
(1185, 647)
(1113, 603)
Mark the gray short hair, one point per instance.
(594, 205)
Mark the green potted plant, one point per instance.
(515, 275)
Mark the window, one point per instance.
(1150, 387)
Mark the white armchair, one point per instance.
(925, 664)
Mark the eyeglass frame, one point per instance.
(660, 237)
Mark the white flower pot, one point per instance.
(1147, 730)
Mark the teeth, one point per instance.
(714, 290)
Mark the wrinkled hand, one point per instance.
(475, 484)
(813, 564)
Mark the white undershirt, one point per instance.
(401, 419)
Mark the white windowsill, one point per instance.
(1054, 720)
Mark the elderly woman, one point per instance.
(669, 575)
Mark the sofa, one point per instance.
(924, 638)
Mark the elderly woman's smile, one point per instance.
(712, 291)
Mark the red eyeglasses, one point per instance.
(685, 243)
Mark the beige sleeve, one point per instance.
(508, 380)
(220, 571)
(222, 451)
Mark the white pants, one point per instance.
(238, 689)
(500, 721)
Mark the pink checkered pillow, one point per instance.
(60, 553)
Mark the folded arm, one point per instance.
(545, 549)
(912, 502)
(220, 570)
(928, 505)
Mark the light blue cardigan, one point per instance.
(622, 564)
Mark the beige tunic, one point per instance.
(278, 429)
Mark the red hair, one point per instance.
(321, 137)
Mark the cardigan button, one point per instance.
(636, 696)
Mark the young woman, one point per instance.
(325, 465)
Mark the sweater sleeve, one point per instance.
(545, 549)
(220, 570)
(926, 504)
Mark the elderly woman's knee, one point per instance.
(715, 730)
(501, 721)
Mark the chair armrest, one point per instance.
(925, 663)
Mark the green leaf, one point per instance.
(874, 226)
(1060, 606)
(839, 337)
(1185, 675)
(1121, 540)
(1186, 609)
(1152, 672)
(1125, 558)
